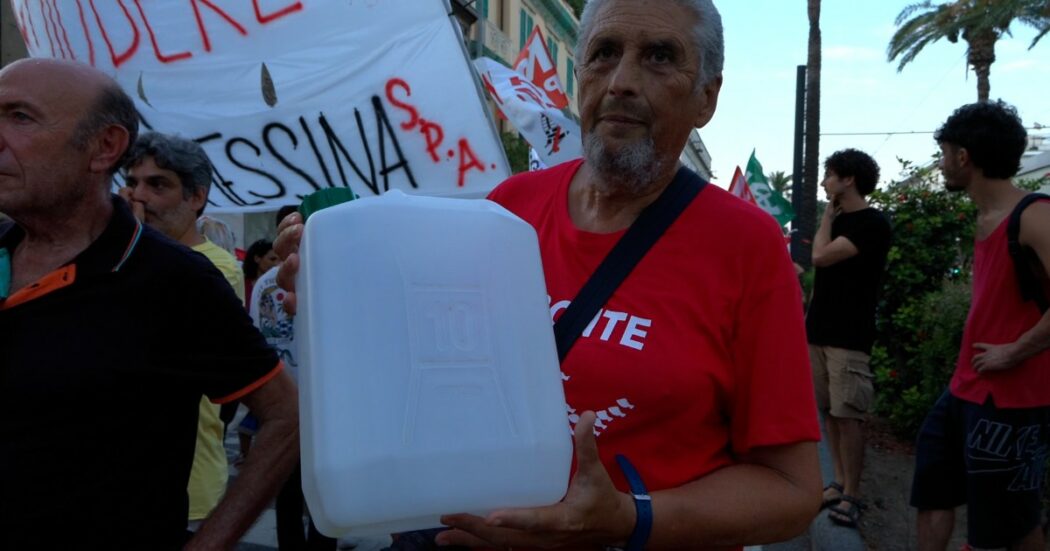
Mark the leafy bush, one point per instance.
(1032, 184)
(906, 393)
(517, 150)
(925, 295)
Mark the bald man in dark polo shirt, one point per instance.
(95, 313)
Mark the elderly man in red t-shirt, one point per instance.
(696, 368)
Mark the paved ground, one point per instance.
(888, 523)
(823, 535)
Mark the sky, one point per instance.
(860, 90)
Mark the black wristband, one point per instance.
(643, 506)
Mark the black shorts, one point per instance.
(990, 459)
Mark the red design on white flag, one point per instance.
(555, 137)
(739, 187)
(534, 61)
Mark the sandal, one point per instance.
(828, 502)
(847, 517)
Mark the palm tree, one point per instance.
(780, 181)
(806, 217)
(980, 23)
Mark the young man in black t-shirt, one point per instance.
(849, 253)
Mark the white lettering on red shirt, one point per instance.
(631, 334)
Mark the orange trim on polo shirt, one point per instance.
(58, 279)
(252, 387)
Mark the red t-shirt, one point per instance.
(998, 316)
(700, 354)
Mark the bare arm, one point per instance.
(1035, 233)
(274, 454)
(827, 251)
(772, 495)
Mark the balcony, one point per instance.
(488, 40)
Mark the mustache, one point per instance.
(623, 107)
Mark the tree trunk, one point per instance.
(980, 54)
(807, 215)
(984, 87)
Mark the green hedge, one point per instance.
(517, 150)
(906, 391)
(925, 295)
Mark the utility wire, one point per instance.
(903, 132)
(876, 133)
(926, 96)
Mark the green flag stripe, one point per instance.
(770, 200)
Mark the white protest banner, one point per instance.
(555, 137)
(291, 96)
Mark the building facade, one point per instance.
(1035, 164)
(504, 26)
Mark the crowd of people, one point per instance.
(123, 329)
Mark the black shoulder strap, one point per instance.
(6, 225)
(624, 256)
(1023, 257)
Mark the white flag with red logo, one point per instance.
(535, 62)
(554, 136)
(740, 188)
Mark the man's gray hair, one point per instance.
(186, 158)
(707, 35)
(112, 107)
(217, 232)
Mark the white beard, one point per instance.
(632, 170)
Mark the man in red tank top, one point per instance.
(984, 444)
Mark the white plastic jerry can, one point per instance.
(429, 380)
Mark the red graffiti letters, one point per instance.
(84, 26)
(465, 165)
(266, 18)
(115, 20)
(433, 133)
(153, 40)
(118, 59)
(200, 22)
(412, 113)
